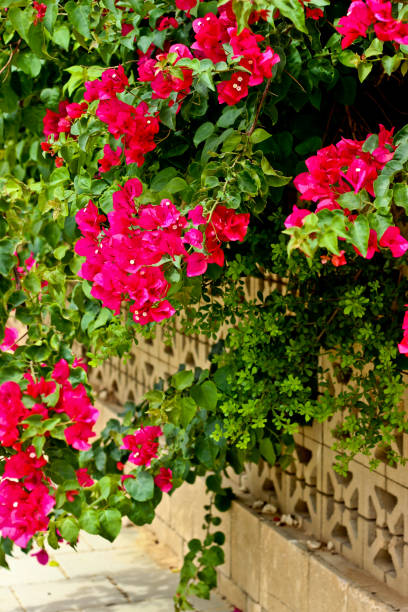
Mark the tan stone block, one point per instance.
(187, 510)
(245, 549)
(252, 606)
(163, 510)
(231, 591)
(168, 536)
(326, 588)
(361, 601)
(284, 576)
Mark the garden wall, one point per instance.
(363, 517)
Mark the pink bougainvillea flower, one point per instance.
(60, 372)
(163, 480)
(41, 556)
(110, 158)
(339, 260)
(74, 110)
(403, 345)
(142, 444)
(197, 264)
(295, 219)
(78, 435)
(356, 23)
(394, 241)
(84, 478)
(9, 341)
(196, 216)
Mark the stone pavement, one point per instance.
(134, 574)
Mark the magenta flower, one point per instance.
(296, 217)
(394, 241)
(10, 337)
(163, 480)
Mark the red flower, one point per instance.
(163, 480)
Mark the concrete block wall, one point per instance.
(363, 515)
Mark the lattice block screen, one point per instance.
(365, 514)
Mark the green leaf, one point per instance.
(78, 15)
(259, 135)
(21, 21)
(293, 10)
(140, 488)
(400, 192)
(371, 143)
(176, 184)
(182, 379)
(351, 200)
(359, 234)
(155, 398)
(105, 486)
(206, 395)
(29, 63)
(229, 115)
(89, 521)
(375, 48)
(364, 70)
(111, 523)
(391, 63)
(188, 410)
(204, 131)
(61, 37)
(69, 529)
(7, 259)
(162, 179)
(267, 451)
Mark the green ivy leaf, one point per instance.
(78, 15)
(205, 395)
(89, 521)
(182, 379)
(267, 451)
(111, 523)
(359, 234)
(69, 529)
(204, 131)
(140, 488)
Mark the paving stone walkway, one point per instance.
(130, 575)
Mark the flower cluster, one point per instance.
(163, 78)
(143, 446)
(16, 406)
(311, 13)
(343, 168)
(133, 125)
(9, 340)
(212, 32)
(41, 9)
(362, 15)
(26, 492)
(56, 123)
(127, 261)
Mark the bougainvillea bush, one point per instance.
(154, 155)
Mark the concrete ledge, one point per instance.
(270, 568)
